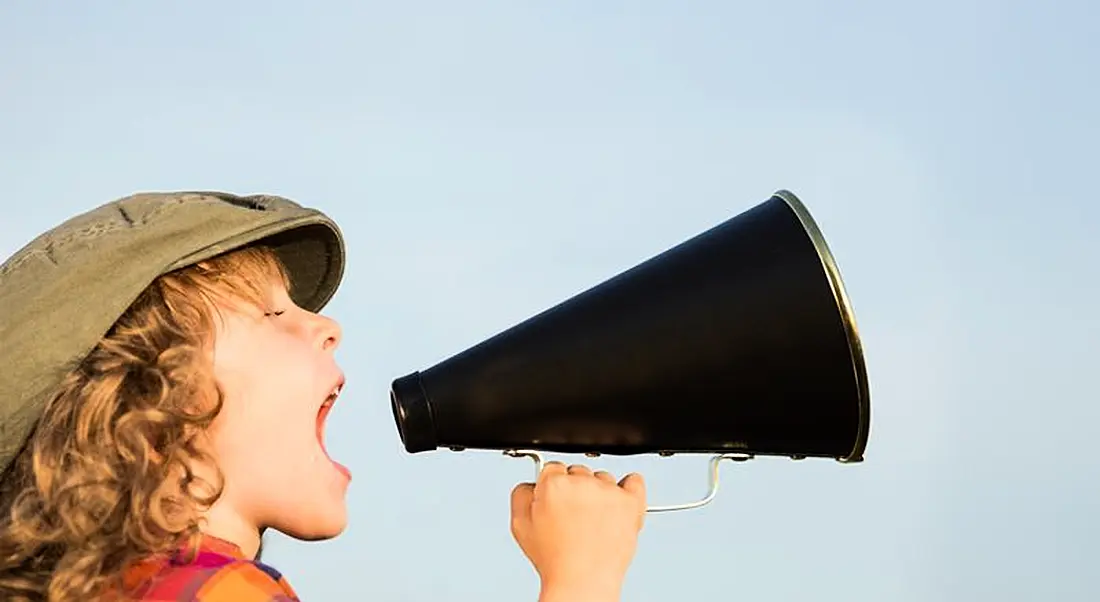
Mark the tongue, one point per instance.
(321, 415)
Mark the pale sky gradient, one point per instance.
(489, 159)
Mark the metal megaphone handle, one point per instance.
(712, 490)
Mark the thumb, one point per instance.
(522, 497)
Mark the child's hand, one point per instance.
(579, 530)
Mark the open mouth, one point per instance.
(322, 415)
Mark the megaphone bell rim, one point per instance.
(847, 316)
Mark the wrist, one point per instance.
(579, 591)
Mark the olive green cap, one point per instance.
(63, 291)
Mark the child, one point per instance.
(166, 379)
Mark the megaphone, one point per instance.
(738, 342)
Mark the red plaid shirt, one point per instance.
(219, 573)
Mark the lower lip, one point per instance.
(341, 468)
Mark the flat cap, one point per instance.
(62, 292)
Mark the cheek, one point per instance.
(269, 409)
(265, 417)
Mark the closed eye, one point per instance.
(274, 313)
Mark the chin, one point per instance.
(314, 528)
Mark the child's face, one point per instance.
(277, 372)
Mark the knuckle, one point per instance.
(555, 481)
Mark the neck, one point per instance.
(231, 527)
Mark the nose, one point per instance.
(328, 333)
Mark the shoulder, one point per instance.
(244, 581)
(219, 580)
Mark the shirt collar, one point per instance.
(209, 543)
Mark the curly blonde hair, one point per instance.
(108, 476)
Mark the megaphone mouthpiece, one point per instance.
(413, 414)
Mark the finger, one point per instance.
(605, 476)
(635, 484)
(550, 469)
(580, 470)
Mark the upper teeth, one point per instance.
(332, 396)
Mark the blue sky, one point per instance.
(489, 159)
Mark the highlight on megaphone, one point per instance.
(739, 342)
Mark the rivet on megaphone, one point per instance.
(798, 457)
(592, 454)
(457, 448)
(665, 454)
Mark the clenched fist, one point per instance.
(579, 530)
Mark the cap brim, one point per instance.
(313, 255)
(310, 246)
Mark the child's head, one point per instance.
(197, 407)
